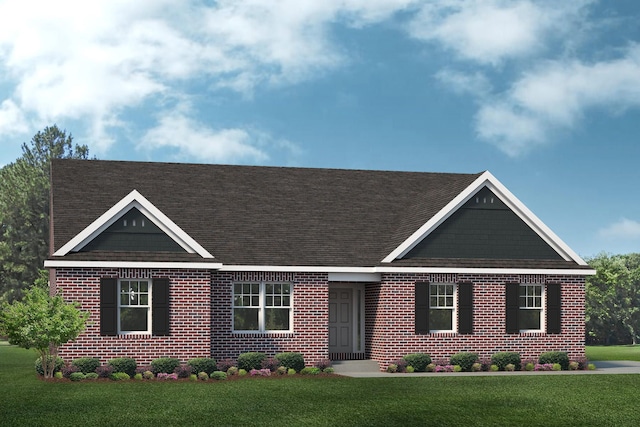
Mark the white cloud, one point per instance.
(555, 96)
(90, 61)
(192, 139)
(12, 121)
(624, 229)
(475, 84)
(490, 31)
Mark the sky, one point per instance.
(543, 94)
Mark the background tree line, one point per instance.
(612, 295)
(24, 210)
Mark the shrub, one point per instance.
(309, 370)
(58, 365)
(281, 370)
(260, 373)
(270, 363)
(137, 376)
(91, 376)
(232, 371)
(560, 357)
(224, 364)
(164, 365)
(419, 361)
(194, 377)
(322, 364)
(165, 376)
(203, 376)
(296, 361)
(476, 367)
(219, 375)
(556, 367)
(58, 375)
(543, 367)
(504, 358)
(123, 364)
(104, 371)
(183, 371)
(510, 367)
(67, 370)
(147, 375)
(328, 370)
(291, 371)
(410, 369)
(242, 372)
(457, 368)
(76, 376)
(494, 368)
(529, 366)
(591, 367)
(392, 368)
(202, 364)
(120, 376)
(86, 364)
(573, 366)
(251, 360)
(431, 367)
(401, 364)
(464, 359)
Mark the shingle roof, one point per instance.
(247, 215)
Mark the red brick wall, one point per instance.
(390, 319)
(189, 293)
(310, 334)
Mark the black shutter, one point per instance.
(422, 308)
(465, 308)
(160, 307)
(513, 308)
(108, 306)
(553, 308)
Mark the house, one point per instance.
(190, 260)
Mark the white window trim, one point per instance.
(543, 308)
(454, 310)
(149, 305)
(261, 308)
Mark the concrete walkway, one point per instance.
(369, 369)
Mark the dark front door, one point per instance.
(340, 320)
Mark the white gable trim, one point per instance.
(137, 200)
(491, 182)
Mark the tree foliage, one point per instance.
(42, 322)
(24, 209)
(613, 299)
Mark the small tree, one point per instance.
(42, 322)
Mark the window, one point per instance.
(134, 306)
(530, 314)
(134, 314)
(442, 307)
(262, 307)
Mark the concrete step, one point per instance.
(354, 366)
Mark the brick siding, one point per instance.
(201, 317)
(389, 311)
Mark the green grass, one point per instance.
(563, 400)
(613, 352)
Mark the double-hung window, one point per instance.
(262, 307)
(442, 307)
(134, 306)
(530, 313)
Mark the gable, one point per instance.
(133, 232)
(109, 230)
(484, 227)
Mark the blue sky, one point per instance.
(544, 94)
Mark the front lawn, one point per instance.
(613, 352)
(450, 399)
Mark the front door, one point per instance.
(340, 320)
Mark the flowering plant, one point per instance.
(165, 376)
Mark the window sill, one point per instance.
(271, 334)
(443, 333)
(532, 333)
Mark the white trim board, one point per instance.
(334, 273)
(492, 183)
(137, 200)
